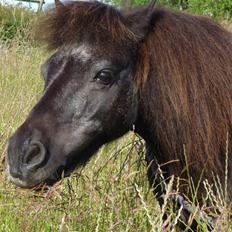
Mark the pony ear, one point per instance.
(139, 21)
(59, 6)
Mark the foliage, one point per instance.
(219, 9)
(127, 3)
(14, 22)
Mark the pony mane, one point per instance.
(77, 21)
(185, 83)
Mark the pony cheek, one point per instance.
(121, 121)
(78, 135)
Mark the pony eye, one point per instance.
(105, 77)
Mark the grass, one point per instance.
(110, 194)
(14, 20)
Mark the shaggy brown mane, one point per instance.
(71, 22)
(186, 93)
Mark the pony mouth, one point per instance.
(64, 171)
(61, 172)
(17, 181)
(20, 183)
(58, 175)
(74, 160)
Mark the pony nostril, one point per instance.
(35, 155)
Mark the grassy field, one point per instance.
(110, 194)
